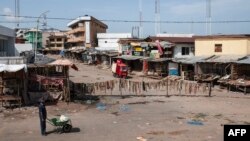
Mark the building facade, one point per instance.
(30, 37)
(109, 41)
(56, 41)
(7, 41)
(222, 45)
(83, 31)
(181, 47)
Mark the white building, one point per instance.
(109, 41)
(7, 41)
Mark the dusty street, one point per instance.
(175, 118)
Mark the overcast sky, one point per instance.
(171, 10)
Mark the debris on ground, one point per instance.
(101, 106)
(156, 132)
(141, 139)
(177, 132)
(195, 122)
(124, 108)
(159, 101)
(139, 102)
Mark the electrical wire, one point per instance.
(135, 21)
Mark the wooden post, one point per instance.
(210, 89)
(167, 89)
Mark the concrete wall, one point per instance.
(248, 47)
(109, 41)
(178, 51)
(7, 37)
(229, 46)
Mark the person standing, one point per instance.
(42, 116)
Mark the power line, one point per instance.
(135, 21)
(17, 21)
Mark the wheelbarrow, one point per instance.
(63, 126)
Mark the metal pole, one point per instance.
(35, 47)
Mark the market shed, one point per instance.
(188, 67)
(216, 66)
(50, 80)
(156, 67)
(240, 76)
(13, 84)
(134, 63)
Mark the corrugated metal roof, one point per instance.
(157, 60)
(128, 57)
(245, 60)
(223, 59)
(223, 36)
(187, 40)
(191, 60)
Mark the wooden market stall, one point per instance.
(13, 84)
(50, 81)
(240, 75)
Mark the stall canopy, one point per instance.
(222, 59)
(245, 60)
(191, 60)
(64, 62)
(12, 68)
(128, 57)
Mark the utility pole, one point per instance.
(17, 13)
(157, 17)
(141, 18)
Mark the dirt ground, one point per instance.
(156, 118)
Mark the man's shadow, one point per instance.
(59, 131)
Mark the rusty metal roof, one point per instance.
(186, 40)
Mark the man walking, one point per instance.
(42, 116)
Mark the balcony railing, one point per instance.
(76, 30)
(76, 39)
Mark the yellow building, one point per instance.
(222, 45)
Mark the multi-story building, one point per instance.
(45, 35)
(83, 31)
(56, 41)
(7, 41)
(30, 37)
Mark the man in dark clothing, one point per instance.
(42, 116)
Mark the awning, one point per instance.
(222, 59)
(191, 60)
(157, 60)
(128, 57)
(12, 68)
(245, 60)
(63, 62)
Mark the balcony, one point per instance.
(76, 30)
(76, 39)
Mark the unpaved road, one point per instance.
(153, 118)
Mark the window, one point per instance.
(59, 39)
(185, 51)
(218, 48)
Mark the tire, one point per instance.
(67, 128)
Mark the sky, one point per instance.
(170, 10)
